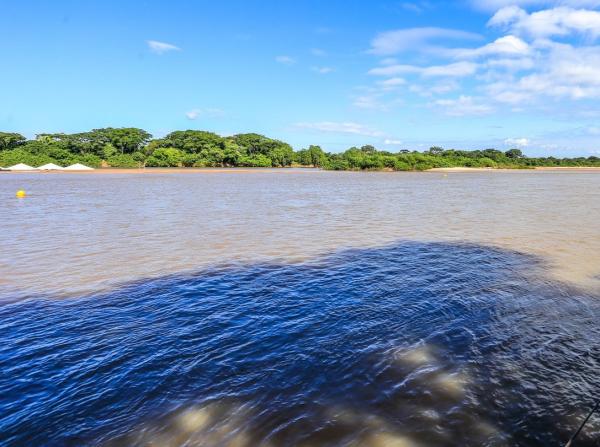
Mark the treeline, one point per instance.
(134, 148)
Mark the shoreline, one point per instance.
(533, 168)
(149, 171)
(146, 171)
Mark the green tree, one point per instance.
(514, 153)
(165, 157)
(10, 140)
(280, 153)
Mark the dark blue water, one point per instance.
(418, 344)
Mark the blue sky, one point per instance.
(395, 74)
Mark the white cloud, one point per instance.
(392, 83)
(206, 112)
(161, 47)
(341, 128)
(318, 52)
(322, 70)
(457, 69)
(565, 72)
(560, 21)
(519, 71)
(411, 39)
(464, 105)
(193, 114)
(390, 142)
(494, 5)
(285, 60)
(516, 142)
(393, 70)
(505, 46)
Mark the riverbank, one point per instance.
(536, 168)
(149, 171)
(168, 171)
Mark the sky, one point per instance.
(395, 74)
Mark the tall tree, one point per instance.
(10, 140)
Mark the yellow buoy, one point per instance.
(20, 194)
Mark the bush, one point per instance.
(401, 165)
(90, 160)
(166, 157)
(256, 161)
(15, 156)
(122, 161)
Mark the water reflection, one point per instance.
(412, 344)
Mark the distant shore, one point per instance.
(149, 171)
(536, 168)
(165, 171)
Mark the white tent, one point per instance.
(78, 167)
(20, 167)
(49, 167)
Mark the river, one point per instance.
(299, 308)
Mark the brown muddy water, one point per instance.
(299, 308)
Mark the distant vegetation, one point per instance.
(132, 148)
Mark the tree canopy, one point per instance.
(132, 147)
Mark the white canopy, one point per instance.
(78, 167)
(20, 167)
(49, 167)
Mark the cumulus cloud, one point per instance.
(462, 106)
(564, 72)
(340, 128)
(397, 41)
(161, 47)
(285, 60)
(505, 46)
(560, 21)
(516, 142)
(516, 71)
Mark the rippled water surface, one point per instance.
(299, 308)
